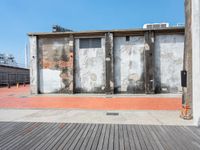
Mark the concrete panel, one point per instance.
(129, 64)
(55, 65)
(90, 69)
(168, 63)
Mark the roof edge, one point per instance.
(105, 31)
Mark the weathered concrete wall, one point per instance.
(55, 65)
(139, 63)
(129, 64)
(90, 69)
(168, 62)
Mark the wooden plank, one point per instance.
(126, 140)
(101, 139)
(106, 138)
(130, 137)
(10, 129)
(38, 137)
(68, 140)
(135, 138)
(7, 133)
(166, 138)
(24, 135)
(55, 138)
(45, 136)
(187, 137)
(139, 135)
(146, 135)
(195, 130)
(96, 139)
(5, 125)
(111, 138)
(66, 136)
(78, 137)
(48, 137)
(116, 137)
(31, 136)
(163, 137)
(155, 138)
(174, 140)
(121, 138)
(82, 138)
(84, 144)
(92, 137)
(11, 137)
(192, 135)
(59, 137)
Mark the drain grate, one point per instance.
(23, 96)
(112, 114)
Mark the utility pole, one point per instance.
(186, 112)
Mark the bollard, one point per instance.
(17, 85)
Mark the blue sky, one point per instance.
(18, 17)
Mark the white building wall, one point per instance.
(196, 60)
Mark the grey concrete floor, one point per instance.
(92, 116)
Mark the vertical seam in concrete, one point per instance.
(109, 63)
(149, 62)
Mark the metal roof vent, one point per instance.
(156, 26)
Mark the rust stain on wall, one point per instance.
(55, 65)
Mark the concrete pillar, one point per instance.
(196, 60)
(71, 68)
(109, 63)
(149, 62)
(33, 65)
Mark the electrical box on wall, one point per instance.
(184, 78)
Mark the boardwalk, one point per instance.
(29, 136)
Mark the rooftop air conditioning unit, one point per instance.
(156, 26)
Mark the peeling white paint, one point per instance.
(129, 62)
(50, 81)
(90, 68)
(169, 61)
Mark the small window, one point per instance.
(90, 43)
(127, 38)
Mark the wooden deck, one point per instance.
(28, 136)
